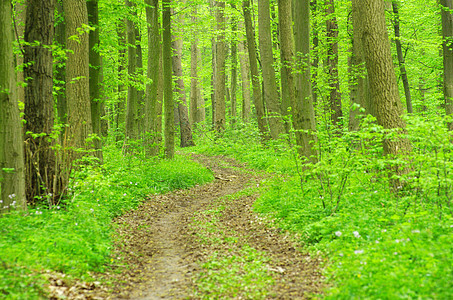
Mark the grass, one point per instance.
(75, 237)
(379, 244)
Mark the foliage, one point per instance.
(75, 236)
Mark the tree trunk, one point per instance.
(77, 75)
(315, 61)
(332, 62)
(132, 95)
(120, 113)
(447, 34)
(169, 133)
(245, 81)
(60, 67)
(369, 21)
(234, 64)
(152, 133)
(20, 13)
(267, 63)
(12, 185)
(185, 128)
(140, 91)
(304, 114)
(220, 68)
(194, 84)
(401, 61)
(40, 161)
(95, 76)
(256, 85)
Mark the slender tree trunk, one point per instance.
(95, 76)
(20, 12)
(369, 21)
(132, 95)
(401, 60)
(447, 34)
(12, 185)
(201, 114)
(234, 64)
(185, 127)
(194, 84)
(220, 68)
(315, 56)
(77, 76)
(169, 133)
(304, 114)
(245, 81)
(40, 160)
(212, 6)
(121, 102)
(152, 133)
(256, 85)
(140, 91)
(270, 85)
(336, 113)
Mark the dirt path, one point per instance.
(171, 242)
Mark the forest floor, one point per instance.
(201, 243)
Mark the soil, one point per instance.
(158, 254)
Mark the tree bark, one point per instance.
(152, 114)
(234, 64)
(95, 76)
(194, 81)
(256, 85)
(77, 75)
(60, 69)
(304, 114)
(335, 111)
(169, 133)
(447, 46)
(12, 170)
(245, 81)
(41, 172)
(270, 85)
(220, 80)
(120, 113)
(184, 123)
(401, 60)
(369, 21)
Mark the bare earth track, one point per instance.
(163, 256)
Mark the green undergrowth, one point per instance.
(75, 236)
(237, 271)
(382, 239)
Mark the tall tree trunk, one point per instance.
(220, 68)
(234, 64)
(169, 133)
(304, 114)
(12, 185)
(267, 64)
(60, 67)
(185, 127)
(245, 81)
(40, 160)
(132, 95)
(332, 61)
(447, 34)
(152, 133)
(358, 82)
(369, 21)
(120, 115)
(201, 114)
(401, 60)
(315, 61)
(20, 13)
(256, 85)
(212, 6)
(95, 76)
(77, 76)
(139, 75)
(194, 81)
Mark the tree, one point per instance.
(220, 68)
(401, 60)
(234, 64)
(12, 173)
(256, 85)
(267, 64)
(169, 133)
(332, 61)
(447, 46)
(185, 127)
(60, 68)
(304, 115)
(132, 93)
(95, 75)
(77, 78)
(40, 160)
(195, 92)
(369, 21)
(245, 81)
(152, 104)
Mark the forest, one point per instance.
(226, 149)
